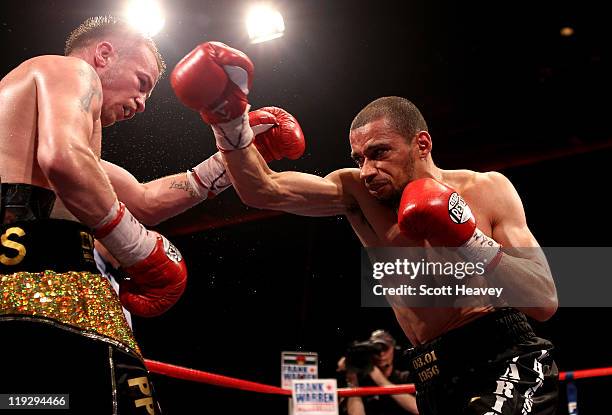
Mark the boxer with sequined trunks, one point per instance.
(61, 323)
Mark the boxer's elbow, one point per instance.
(551, 304)
(550, 310)
(266, 196)
(58, 166)
(48, 160)
(542, 313)
(259, 200)
(545, 311)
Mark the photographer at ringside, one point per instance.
(370, 363)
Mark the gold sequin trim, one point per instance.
(81, 299)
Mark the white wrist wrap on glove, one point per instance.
(235, 134)
(127, 239)
(209, 178)
(481, 248)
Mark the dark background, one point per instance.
(500, 88)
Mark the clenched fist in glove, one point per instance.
(277, 135)
(214, 79)
(157, 271)
(433, 211)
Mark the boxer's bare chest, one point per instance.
(376, 226)
(375, 223)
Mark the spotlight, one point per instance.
(567, 31)
(264, 23)
(145, 15)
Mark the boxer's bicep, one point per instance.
(524, 264)
(69, 101)
(307, 194)
(509, 224)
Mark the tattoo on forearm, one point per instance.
(184, 185)
(93, 91)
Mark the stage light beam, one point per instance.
(264, 23)
(145, 15)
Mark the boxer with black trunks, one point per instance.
(510, 370)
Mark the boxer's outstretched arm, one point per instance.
(155, 201)
(293, 192)
(523, 266)
(69, 100)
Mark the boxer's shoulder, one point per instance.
(43, 67)
(348, 182)
(489, 194)
(491, 183)
(63, 69)
(60, 79)
(55, 63)
(469, 181)
(347, 177)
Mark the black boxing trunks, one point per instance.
(493, 365)
(62, 328)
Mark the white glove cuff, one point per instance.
(481, 248)
(124, 237)
(235, 134)
(209, 178)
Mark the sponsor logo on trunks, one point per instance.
(458, 210)
(12, 246)
(145, 390)
(426, 373)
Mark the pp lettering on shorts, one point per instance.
(146, 400)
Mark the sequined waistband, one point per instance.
(84, 300)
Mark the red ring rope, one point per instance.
(586, 373)
(184, 373)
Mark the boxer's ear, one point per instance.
(103, 53)
(423, 143)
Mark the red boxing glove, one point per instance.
(215, 80)
(156, 283)
(157, 271)
(433, 211)
(278, 135)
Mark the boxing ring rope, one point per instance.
(193, 375)
(586, 373)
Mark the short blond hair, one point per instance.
(100, 27)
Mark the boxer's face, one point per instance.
(127, 83)
(384, 361)
(384, 159)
